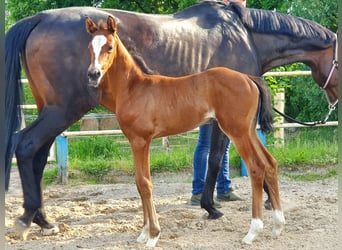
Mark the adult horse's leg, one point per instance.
(151, 228)
(33, 144)
(267, 203)
(217, 150)
(39, 162)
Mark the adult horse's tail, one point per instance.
(15, 42)
(265, 106)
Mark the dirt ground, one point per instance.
(110, 216)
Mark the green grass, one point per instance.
(313, 146)
(98, 159)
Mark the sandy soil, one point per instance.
(110, 217)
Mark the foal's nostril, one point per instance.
(94, 74)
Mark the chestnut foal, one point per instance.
(151, 106)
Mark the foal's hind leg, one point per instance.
(260, 163)
(248, 149)
(271, 178)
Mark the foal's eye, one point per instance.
(110, 49)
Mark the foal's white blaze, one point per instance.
(97, 44)
(255, 229)
(278, 223)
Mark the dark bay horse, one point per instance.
(205, 35)
(152, 106)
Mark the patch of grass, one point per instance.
(314, 146)
(310, 175)
(50, 176)
(97, 159)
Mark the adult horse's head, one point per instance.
(102, 48)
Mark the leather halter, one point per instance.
(334, 66)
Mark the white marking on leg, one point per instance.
(255, 229)
(144, 235)
(278, 223)
(152, 242)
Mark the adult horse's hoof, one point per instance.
(46, 227)
(215, 215)
(268, 205)
(22, 228)
(50, 231)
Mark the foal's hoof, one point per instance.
(255, 230)
(50, 231)
(152, 242)
(22, 229)
(279, 223)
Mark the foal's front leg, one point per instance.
(151, 229)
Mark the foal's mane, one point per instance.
(266, 21)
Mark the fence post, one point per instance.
(279, 104)
(262, 137)
(62, 158)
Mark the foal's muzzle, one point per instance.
(94, 76)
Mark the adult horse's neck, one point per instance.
(281, 50)
(281, 39)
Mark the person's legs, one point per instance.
(223, 180)
(224, 188)
(200, 161)
(200, 166)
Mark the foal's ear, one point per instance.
(111, 24)
(91, 27)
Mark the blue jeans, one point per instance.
(200, 164)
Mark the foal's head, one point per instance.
(102, 48)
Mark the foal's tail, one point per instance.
(15, 42)
(265, 105)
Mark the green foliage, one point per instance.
(19, 9)
(321, 11)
